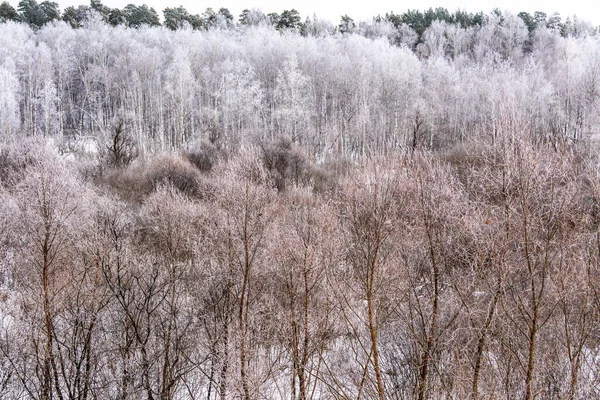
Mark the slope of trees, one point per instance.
(338, 95)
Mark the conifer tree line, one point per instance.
(407, 208)
(37, 14)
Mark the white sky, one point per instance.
(587, 10)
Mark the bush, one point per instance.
(176, 172)
(15, 160)
(140, 180)
(204, 156)
(286, 163)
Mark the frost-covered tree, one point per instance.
(9, 99)
(294, 102)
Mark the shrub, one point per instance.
(204, 156)
(176, 172)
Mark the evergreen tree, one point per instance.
(137, 16)
(8, 12)
(32, 13)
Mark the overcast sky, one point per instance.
(365, 9)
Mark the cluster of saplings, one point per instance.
(471, 272)
(37, 15)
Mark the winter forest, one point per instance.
(266, 207)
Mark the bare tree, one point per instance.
(53, 211)
(304, 251)
(368, 207)
(247, 203)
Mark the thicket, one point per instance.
(466, 273)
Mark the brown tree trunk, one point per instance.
(373, 330)
(243, 311)
(481, 345)
(48, 355)
(430, 341)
